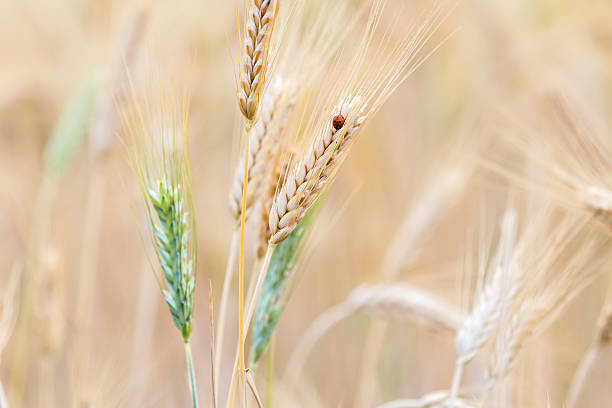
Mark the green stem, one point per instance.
(270, 373)
(192, 380)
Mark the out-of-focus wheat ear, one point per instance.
(512, 338)
(405, 302)
(308, 177)
(273, 176)
(263, 143)
(399, 300)
(71, 128)
(105, 122)
(260, 21)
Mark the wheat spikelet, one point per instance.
(512, 338)
(260, 22)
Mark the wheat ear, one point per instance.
(260, 22)
(404, 301)
(308, 176)
(400, 300)
(160, 159)
(263, 142)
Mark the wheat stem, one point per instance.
(603, 338)
(457, 376)
(241, 272)
(581, 375)
(254, 293)
(227, 283)
(39, 235)
(3, 401)
(192, 379)
(213, 382)
(253, 388)
(270, 373)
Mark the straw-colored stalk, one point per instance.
(603, 339)
(254, 291)
(8, 317)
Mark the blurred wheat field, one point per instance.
(435, 238)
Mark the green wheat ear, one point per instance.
(71, 127)
(270, 304)
(171, 238)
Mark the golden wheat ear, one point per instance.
(254, 69)
(354, 91)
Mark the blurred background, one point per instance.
(100, 333)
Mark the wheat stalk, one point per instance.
(8, 317)
(603, 339)
(260, 22)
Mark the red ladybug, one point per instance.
(338, 122)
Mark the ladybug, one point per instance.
(338, 122)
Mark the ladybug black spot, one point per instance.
(338, 122)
